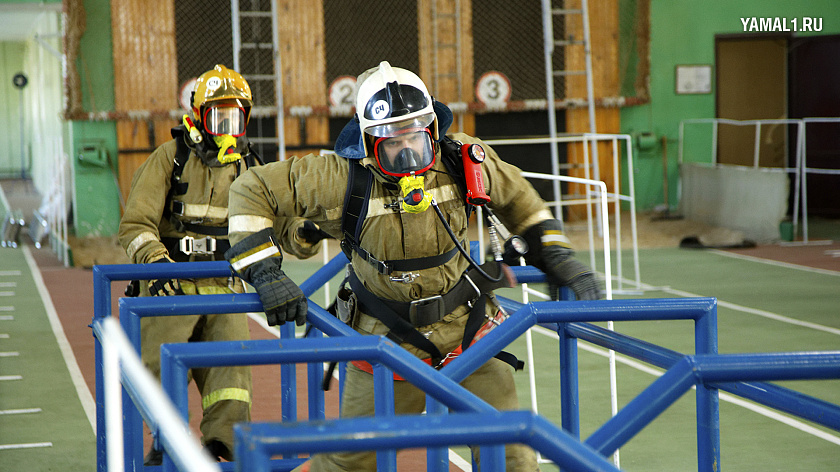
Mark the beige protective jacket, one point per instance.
(314, 187)
(206, 203)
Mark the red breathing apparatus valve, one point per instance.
(473, 155)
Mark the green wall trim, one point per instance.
(94, 143)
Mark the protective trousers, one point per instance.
(225, 391)
(492, 382)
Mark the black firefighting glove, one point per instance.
(549, 251)
(257, 260)
(164, 287)
(311, 233)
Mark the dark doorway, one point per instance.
(815, 92)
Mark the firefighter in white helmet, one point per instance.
(177, 211)
(400, 202)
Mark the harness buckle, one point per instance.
(426, 311)
(204, 246)
(381, 267)
(406, 277)
(178, 208)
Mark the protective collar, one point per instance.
(349, 143)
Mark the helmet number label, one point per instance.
(380, 109)
(213, 83)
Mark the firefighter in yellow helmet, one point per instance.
(177, 211)
(408, 278)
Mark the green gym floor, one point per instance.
(770, 299)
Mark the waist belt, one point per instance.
(180, 252)
(426, 311)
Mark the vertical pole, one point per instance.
(548, 45)
(22, 139)
(437, 458)
(236, 33)
(383, 403)
(569, 406)
(101, 309)
(708, 406)
(315, 371)
(132, 421)
(278, 83)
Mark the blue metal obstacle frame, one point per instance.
(472, 421)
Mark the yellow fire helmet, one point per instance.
(223, 87)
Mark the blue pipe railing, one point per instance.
(569, 318)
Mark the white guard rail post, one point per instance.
(121, 364)
(616, 197)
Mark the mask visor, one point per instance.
(223, 120)
(409, 151)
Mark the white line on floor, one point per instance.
(25, 445)
(752, 311)
(7, 308)
(9, 354)
(786, 265)
(7, 294)
(7, 318)
(20, 411)
(8, 273)
(82, 390)
(8, 284)
(4, 336)
(10, 377)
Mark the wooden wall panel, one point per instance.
(441, 85)
(603, 28)
(145, 76)
(303, 60)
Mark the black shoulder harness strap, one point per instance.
(176, 187)
(356, 200)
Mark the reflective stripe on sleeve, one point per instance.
(263, 251)
(225, 394)
(141, 240)
(248, 223)
(555, 238)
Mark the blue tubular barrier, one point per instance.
(103, 275)
(697, 370)
(708, 371)
(257, 442)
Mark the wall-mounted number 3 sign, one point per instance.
(493, 89)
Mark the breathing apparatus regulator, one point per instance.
(221, 108)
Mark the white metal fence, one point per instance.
(799, 171)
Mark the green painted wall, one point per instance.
(683, 32)
(11, 62)
(97, 208)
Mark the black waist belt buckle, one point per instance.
(426, 311)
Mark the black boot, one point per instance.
(154, 457)
(218, 450)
